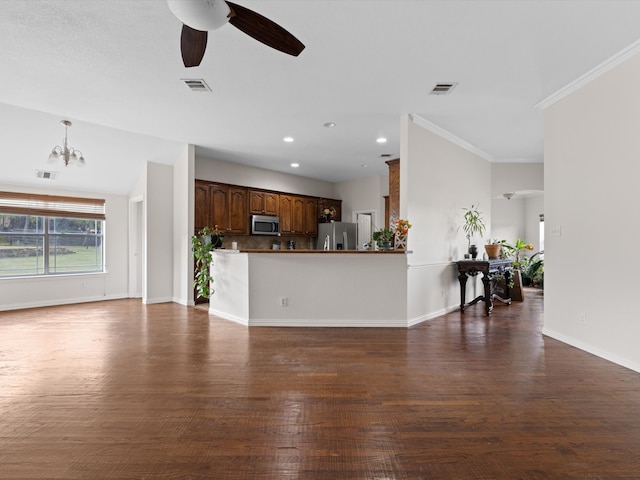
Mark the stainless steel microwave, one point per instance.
(265, 225)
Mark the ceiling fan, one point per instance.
(200, 16)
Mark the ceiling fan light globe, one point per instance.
(203, 15)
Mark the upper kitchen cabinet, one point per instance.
(201, 212)
(298, 215)
(310, 216)
(262, 202)
(228, 208)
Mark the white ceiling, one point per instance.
(113, 68)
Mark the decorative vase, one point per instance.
(493, 251)
(473, 250)
(216, 241)
(386, 245)
(400, 242)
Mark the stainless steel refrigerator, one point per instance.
(337, 236)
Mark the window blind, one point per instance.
(51, 205)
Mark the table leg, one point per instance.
(488, 302)
(463, 287)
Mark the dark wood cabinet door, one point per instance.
(238, 223)
(263, 203)
(256, 202)
(297, 215)
(201, 206)
(271, 203)
(219, 206)
(311, 217)
(286, 214)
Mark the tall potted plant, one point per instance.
(202, 245)
(473, 224)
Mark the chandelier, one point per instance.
(69, 155)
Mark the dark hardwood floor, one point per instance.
(120, 390)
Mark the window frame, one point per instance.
(48, 209)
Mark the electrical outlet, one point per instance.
(284, 301)
(443, 292)
(556, 231)
(582, 318)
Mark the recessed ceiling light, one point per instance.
(381, 140)
(288, 139)
(364, 165)
(329, 125)
(295, 165)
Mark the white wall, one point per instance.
(183, 208)
(438, 178)
(159, 234)
(28, 292)
(223, 172)
(516, 177)
(363, 195)
(520, 216)
(592, 148)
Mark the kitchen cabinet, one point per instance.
(201, 210)
(262, 202)
(310, 216)
(228, 209)
(298, 215)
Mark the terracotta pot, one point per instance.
(493, 251)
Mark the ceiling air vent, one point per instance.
(197, 84)
(45, 174)
(443, 88)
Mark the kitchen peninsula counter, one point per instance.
(313, 288)
(327, 252)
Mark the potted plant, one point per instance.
(493, 247)
(473, 224)
(515, 251)
(383, 238)
(202, 244)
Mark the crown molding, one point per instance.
(432, 127)
(591, 75)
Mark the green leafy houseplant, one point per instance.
(383, 237)
(473, 224)
(202, 244)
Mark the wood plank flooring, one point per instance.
(120, 390)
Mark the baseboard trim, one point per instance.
(65, 301)
(591, 349)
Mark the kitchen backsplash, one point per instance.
(265, 242)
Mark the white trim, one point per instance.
(432, 127)
(591, 349)
(64, 301)
(591, 75)
(432, 315)
(150, 301)
(430, 265)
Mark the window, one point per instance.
(48, 235)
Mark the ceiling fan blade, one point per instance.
(193, 43)
(264, 30)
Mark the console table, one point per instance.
(488, 268)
